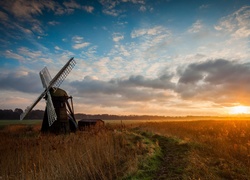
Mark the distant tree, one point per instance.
(18, 111)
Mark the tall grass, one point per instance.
(26, 154)
(223, 145)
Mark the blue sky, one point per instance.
(166, 57)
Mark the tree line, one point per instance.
(9, 114)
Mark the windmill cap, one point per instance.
(58, 92)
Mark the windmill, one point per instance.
(59, 112)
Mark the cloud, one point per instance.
(196, 27)
(3, 16)
(34, 55)
(117, 37)
(161, 82)
(72, 4)
(68, 7)
(110, 7)
(25, 10)
(204, 6)
(25, 55)
(77, 39)
(88, 9)
(22, 81)
(132, 89)
(219, 81)
(57, 48)
(142, 9)
(236, 24)
(148, 31)
(79, 43)
(11, 55)
(53, 23)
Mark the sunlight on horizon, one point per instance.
(239, 110)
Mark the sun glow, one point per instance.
(239, 110)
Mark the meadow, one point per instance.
(210, 149)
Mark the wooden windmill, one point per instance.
(59, 112)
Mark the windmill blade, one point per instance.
(29, 108)
(62, 74)
(45, 77)
(52, 117)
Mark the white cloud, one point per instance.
(204, 6)
(29, 53)
(117, 37)
(57, 48)
(110, 7)
(236, 24)
(196, 27)
(142, 9)
(124, 51)
(77, 39)
(12, 55)
(79, 42)
(53, 23)
(150, 31)
(88, 9)
(72, 4)
(80, 45)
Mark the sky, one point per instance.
(140, 57)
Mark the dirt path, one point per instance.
(174, 160)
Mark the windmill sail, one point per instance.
(48, 84)
(46, 78)
(29, 108)
(52, 117)
(63, 73)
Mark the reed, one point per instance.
(26, 154)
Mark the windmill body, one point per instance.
(59, 113)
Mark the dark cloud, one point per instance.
(134, 88)
(23, 82)
(162, 82)
(219, 81)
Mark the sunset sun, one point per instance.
(239, 110)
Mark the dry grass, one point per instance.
(25, 154)
(191, 150)
(221, 149)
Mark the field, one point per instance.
(211, 149)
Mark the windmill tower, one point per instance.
(59, 112)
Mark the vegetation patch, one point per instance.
(148, 153)
(214, 149)
(162, 150)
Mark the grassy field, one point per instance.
(129, 150)
(215, 149)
